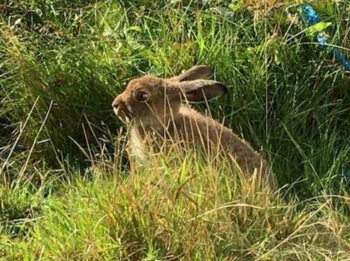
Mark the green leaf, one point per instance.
(313, 30)
(107, 30)
(135, 28)
(235, 7)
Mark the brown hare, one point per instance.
(159, 107)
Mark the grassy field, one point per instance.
(66, 188)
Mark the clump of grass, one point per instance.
(191, 210)
(19, 204)
(260, 7)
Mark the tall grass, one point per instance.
(285, 97)
(62, 63)
(179, 207)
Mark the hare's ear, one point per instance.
(195, 73)
(202, 90)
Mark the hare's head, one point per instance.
(150, 97)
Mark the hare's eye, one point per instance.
(142, 96)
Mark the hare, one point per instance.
(160, 106)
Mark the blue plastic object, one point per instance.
(309, 15)
(310, 18)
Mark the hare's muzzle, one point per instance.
(115, 104)
(120, 109)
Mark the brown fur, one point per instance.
(165, 115)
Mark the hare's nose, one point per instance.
(115, 103)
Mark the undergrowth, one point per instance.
(66, 190)
(181, 207)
